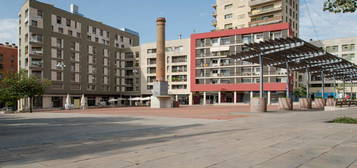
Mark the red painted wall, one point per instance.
(234, 87)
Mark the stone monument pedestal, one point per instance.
(160, 97)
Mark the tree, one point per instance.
(300, 92)
(8, 94)
(338, 6)
(20, 85)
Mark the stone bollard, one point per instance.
(305, 103)
(320, 103)
(258, 105)
(285, 104)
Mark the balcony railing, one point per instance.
(266, 21)
(258, 2)
(263, 11)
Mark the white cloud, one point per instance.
(327, 25)
(8, 30)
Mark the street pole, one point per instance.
(288, 80)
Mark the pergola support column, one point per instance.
(259, 104)
(305, 103)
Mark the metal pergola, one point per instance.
(297, 55)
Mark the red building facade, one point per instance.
(215, 78)
(8, 59)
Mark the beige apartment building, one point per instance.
(177, 69)
(344, 48)
(79, 55)
(236, 14)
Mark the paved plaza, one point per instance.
(226, 137)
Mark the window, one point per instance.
(228, 26)
(349, 57)
(94, 30)
(59, 20)
(101, 32)
(228, 6)
(121, 39)
(68, 22)
(59, 53)
(151, 51)
(60, 30)
(332, 49)
(70, 32)
(348, 47)
(59, 76)
(34, 23)
(178, 49)
(1, 57)
(228, 16)
(39, 13)
(78, 35)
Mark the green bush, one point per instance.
(345, 120)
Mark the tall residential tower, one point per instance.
(235, 14)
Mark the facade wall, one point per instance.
(342, 47)
(79, 55)
(8, 59)
(177, 68)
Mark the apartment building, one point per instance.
(236, 14)
(79, 55)
(8, 59)
(177, 69)
(342, 47)
(217, 79)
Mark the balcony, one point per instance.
(272, 20)
(36, 39)
(36, 64)
(214, 23)
(214, 14)
(259, 2)
(264, 11)
(36, 51)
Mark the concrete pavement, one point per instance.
(267, 140)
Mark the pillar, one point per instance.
(176, 97)
(287, 81)
(351, 88)
(334, 86)
(251, 95)
(204, 98)
(190, 99)
(323, 83)
(219, 97)
(269, 97)
(235, 97)
(344, 89)
(261, 77)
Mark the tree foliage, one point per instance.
(19, 85)
(300, 91)
(340, 6)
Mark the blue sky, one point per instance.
(183, 16)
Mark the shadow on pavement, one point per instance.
(26, 140)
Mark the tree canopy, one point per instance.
(20, 85)
(340, 6)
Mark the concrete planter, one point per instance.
(285, 104)
(258, 105)
(320, 103)
(331, 102)
(305, 103)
